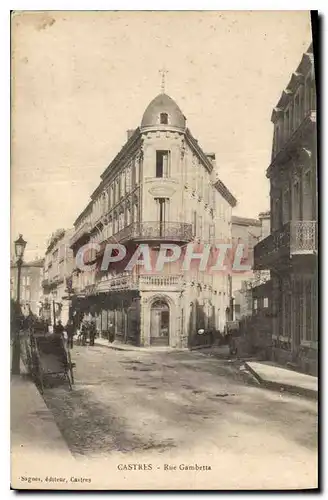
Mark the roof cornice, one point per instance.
(198, 150)
(224, 191)
(121, 154)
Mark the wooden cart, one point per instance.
(46, 355)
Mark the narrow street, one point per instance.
(183, 406)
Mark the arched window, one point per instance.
(164, 119)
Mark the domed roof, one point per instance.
(163, 104)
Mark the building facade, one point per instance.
(246, 231)
(30, 285)
(290, 251)
(58, 266)
(160, 188)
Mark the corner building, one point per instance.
(160, 188)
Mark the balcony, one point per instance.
(295, 238)
(155, 231)
(80, 233)
(123, 281)
(128, 281)
(291, 139)
(172, 282)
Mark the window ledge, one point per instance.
(284, 339)
(309, 343)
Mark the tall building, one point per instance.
(249, 232)
(160, 188)
(246, 231)
(58, 265)
(290, 251)
(30, 285)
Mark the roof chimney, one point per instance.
(130, 133)
(211, 157)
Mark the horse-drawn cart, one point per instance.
(46, 355)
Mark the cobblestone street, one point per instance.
(180, 404)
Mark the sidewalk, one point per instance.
(118, 346)
(274, 377)
(35, 437)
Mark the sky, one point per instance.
(80, 80)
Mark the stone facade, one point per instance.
(160, 188)
(290, 251)
(58, 265)
(31, 285)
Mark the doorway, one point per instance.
(159, 323)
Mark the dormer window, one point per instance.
(164, 119)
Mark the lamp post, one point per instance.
(20, 245)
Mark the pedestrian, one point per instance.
(84, 332)
(59, 329)
(70, 333)
(92, 331)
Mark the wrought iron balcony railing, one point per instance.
(157, 231)
(83, 231)
(123, 281)
(294, 238)
(303, 237)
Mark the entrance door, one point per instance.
(159, 323)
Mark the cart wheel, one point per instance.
(39, 379)
(70, 367)
(71, 374)
(70, 382)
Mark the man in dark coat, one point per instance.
(92, 330)
(70, 333)
(59, 329)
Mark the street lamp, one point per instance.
(20, 245)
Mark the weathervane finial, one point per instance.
(163, 73)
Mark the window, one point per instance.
(212, 233)
(128, 179)
(164, 118)
(115, 223)
(128, 215)
(307, 95)
(297, 110)
(285, 207)
(103, 203)
(296, 202)
(137, 171)
(135, 214)
(162, 209)
(194, 222)
(162, 163)
(201, 187)
(265, 302)
(255, 304)
(200, 226)
(301, 103)
(286, 124)
(119, 194)
(277, 145)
